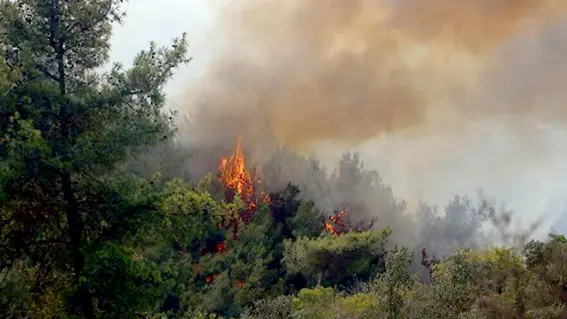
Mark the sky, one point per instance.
(530, 190)
(161, 21)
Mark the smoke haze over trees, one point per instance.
(425, 100)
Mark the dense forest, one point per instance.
(95, 222)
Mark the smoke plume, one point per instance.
(417, 85)
(349, 71)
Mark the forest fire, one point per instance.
(337, 224)
(237, 180)
(235, 176)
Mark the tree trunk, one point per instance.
(74, 220)
(75, 230)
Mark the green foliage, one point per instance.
(335, 260)
(313, 303)
(359, 305)
(306, 222)
(122, 285)
(392, 287)
(65, 211)
(8, 79)
(189, 215)
(279, 307)
(491, 283)
(251, 268)
(453, 291)
(20, 286)
(87, 230)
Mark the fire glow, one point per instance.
(235, 177)
(337, 224)
(238, 181)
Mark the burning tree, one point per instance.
(237, 181)
(339, 224)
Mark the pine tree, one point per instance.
(64, 129)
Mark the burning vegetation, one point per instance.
(339, 224)
(235, 177)
(238, 181)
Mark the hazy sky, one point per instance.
(161, 21)
(530, 190)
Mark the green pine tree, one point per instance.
(64, 129)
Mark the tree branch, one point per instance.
(83, 24)
(47, 73)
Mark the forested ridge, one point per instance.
(95, 222)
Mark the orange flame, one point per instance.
(235, 176)
(238, 181)
(338, 224)
(331, 229)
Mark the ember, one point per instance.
(340, 223)
(215, 248)
(220, 247)
(210, 278)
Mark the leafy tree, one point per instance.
(314, 303)
(393, 285)
(250, 268)
(65, 128)
(285, 166)
(279, 307)
(88, 229)
(364, 195)
(332, 260)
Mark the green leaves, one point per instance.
(65, 129)
(314, 303)
(121, 284)
(81, 235)
(335, 260)
(188, 214)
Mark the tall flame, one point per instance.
(237, 180)
(235, 176)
